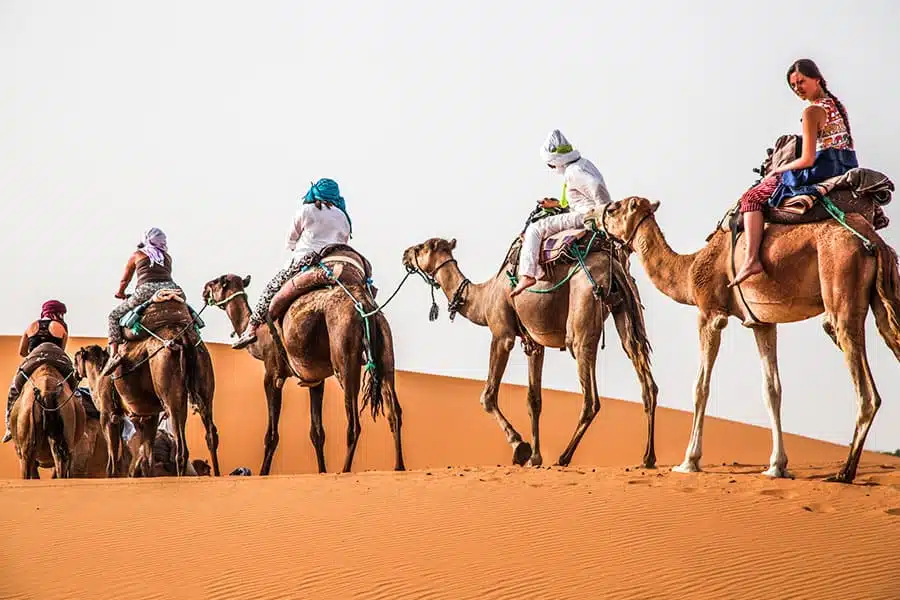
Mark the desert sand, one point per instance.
(462, 522)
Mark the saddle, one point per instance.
(87, 401)
(341, 263)
(861, 190)
(167, 307)
(47, 353)
(559, 249)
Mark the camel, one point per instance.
(89, 362)
(810, 269)
(323, 335)
(166, 366)
(570, 317)
(47, 423)
(91, 457)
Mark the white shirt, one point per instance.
(314, 228)
(585, 187)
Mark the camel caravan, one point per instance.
(801, 242)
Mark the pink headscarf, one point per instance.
(154, 245)
(53, 309)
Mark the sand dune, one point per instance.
(461, 523)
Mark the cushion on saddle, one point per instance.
(47, 353)
(863, 191)
(153, 314)
(557, 245)
(337, 250)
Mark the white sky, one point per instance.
(209, 120)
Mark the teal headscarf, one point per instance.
(327, 190)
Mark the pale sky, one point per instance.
(209, 120)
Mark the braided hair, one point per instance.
(808, 68)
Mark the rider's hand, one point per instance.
(549, 203)
(121, 295)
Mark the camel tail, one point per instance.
(887, 294)
(373, 376)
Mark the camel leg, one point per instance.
(500, 349)
(585, 351)
(178, 414)
(535, 402)
(767, 344)
(273, 391)
(147, 428)
(851, 338)
(351, 405)
(212, 435)
(649, 390)
(112, 431)
(316, 427)
(710, 338)
(395, 419)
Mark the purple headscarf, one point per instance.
(154, 245)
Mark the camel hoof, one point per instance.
(839, 478)
(648, 465)
(522, 453)
(777, 473)
(535, 461)
(687, 467)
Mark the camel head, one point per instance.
(621, 219)
(428, 256)
(222, 289)
(201, 467)
(93, 356)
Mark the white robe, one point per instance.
(312, 229)
(585, 190)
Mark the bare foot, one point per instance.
(749, 268)
(526, 281)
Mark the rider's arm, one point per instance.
(813, 119)
(128, 274)
(23, 343)
(295, 230)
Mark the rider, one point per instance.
(153, 265)
(321, 220)
(827, 152)
(583, 190)
(50, 328)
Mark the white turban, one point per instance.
(557, 151)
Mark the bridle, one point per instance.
(605, 231)
(456, 301)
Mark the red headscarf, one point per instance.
(53, 309)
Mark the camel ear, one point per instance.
(654, 206)
(246, 281)
(453, 243)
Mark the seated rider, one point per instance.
(50, 328)
(153, 266)
(583, 190)
(321, 220)
(827, 152)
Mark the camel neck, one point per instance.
(472, 308)
(668, 270)
(238, 311)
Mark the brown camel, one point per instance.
(91, 457)
(89, 362)
(809, 269)
(571, 317)
(47, 422)
(323, 335)
(166, 366)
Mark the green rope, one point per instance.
(841, 218)
(513, 280)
